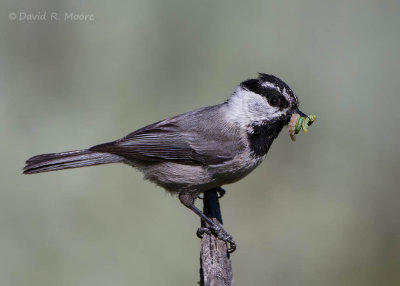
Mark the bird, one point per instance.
(193, 152)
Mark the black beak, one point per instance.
(296, 110)
(302, 114)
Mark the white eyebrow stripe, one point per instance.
(289, 97)
(271, 85)
(286, 95)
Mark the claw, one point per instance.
(232, 246)
(201, 231)
(219, 232)
(214, 227)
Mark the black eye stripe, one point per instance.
(283, 103)
(269, 93)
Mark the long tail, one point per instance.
(67, 160)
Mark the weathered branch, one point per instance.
(215, 266)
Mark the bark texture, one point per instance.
(215, 264)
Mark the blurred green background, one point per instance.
(322, 211)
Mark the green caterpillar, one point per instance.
(303, 123)
(298, 122)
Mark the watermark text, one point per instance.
(47, 16)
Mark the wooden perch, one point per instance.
(215, 265)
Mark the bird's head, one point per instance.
(263, 106)
(264, 99)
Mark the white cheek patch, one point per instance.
(247, 107)
(259, 108)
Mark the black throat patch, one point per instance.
(262, 136)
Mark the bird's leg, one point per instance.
(187, 199)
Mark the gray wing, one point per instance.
(199, 137)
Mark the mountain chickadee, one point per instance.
(202, 149)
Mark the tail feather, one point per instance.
(67, 160)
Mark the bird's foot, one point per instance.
(219, 232)
(201, 231)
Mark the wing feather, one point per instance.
(172, 140)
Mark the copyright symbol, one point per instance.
(12, 16)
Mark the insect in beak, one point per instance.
(298, 121)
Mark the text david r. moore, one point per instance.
(54, 16)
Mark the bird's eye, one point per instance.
(274, 101)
